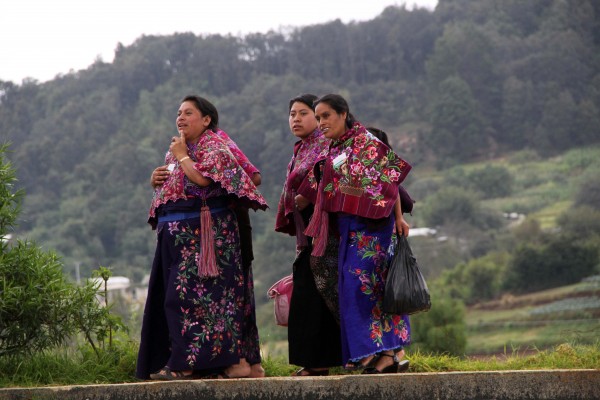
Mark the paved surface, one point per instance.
(494, 385)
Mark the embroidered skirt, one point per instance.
(193, 323)
(362, 266)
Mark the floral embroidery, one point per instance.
(214, 160)
(216, 320)
(365, 164)
(372, 285)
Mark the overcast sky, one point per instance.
(42, 38)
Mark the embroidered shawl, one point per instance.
(306, 152)
(359, 175)
(239, 155)
(214, 160)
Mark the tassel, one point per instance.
(301, 241)
(207, 262)
(318, 227)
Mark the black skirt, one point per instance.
(313, 332)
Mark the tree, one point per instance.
(457, 131)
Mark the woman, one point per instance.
(250, 363)
(355, 190)
(313, 330)
(195, 307)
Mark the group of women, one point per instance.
(340, 200)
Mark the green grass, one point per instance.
(69, 366)
(81, 367)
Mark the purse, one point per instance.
(281, 293)
(405, 289)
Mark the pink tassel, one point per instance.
(207, 263)
(318, 228)
(301, 240)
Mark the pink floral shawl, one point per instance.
(214, 160)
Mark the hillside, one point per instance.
(495, 104)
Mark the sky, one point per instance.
(40, 39)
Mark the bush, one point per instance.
(442, 329)
(491, 181)
(561, 261)
(39, 308)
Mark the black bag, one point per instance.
(405, 289)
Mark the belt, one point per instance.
(178, 216)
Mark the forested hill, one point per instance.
(469, 81)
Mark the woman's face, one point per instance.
(302, 120)
(190, 121)
(332, 124)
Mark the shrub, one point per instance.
(39, 308)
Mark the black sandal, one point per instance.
(396, 367)
(167, 374)
(358, 366)
(311, 372)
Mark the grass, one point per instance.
(81, 367)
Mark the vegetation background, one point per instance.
(495, 103)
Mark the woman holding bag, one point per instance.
(354, 187)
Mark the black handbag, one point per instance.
(405, 290)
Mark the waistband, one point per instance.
(178, 216)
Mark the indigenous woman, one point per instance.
(313, 330)
(355, 189)
(194, 312)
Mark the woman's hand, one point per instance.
(301, 202)
(178, 147)
(402, 226)
(159, 176)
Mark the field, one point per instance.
(536, 320)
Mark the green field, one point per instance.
(535, 321)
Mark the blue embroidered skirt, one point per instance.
(364, 256)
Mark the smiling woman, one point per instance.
(197, 306)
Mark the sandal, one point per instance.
(311, 372)
(359, 366)
(166, 374)
(395, 367)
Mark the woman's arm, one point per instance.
(402, 226)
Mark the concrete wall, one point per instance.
(495, 385)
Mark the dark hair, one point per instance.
(305, 98)
(379, 134)
(206, 108)
(339, 105)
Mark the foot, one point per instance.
(240, 370)
(362, 364)
(385, 362)
(166, 374)
(256, 371)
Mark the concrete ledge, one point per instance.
(493, 385)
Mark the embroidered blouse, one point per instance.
(359, 175)
(214, 160)
(306, 152)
